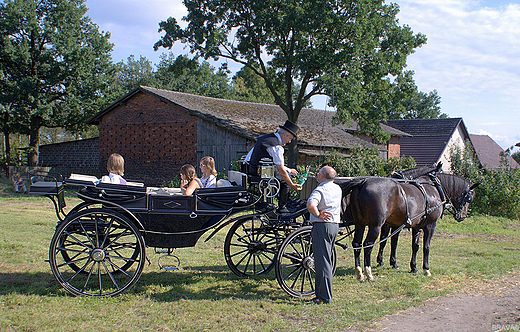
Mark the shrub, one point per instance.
(499, 191)
(364, 162)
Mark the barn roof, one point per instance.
(488, 152)
(429, 137)
(254, 119)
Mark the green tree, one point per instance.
(134, 73)
(188, 75)
(355, 43)
(56, 65)
(248, 86)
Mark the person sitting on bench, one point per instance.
(116, 169)
(189, 180)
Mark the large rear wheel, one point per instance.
(97, 252)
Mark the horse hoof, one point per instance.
(413, 271)
(427, 273)
(359, 274)
(395, 267)
(380, 264)
(368, 271)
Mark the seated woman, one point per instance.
(207, 167)
(189, 180)
(116, 169)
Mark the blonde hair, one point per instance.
(188, 171)
(209, 162)
(116, 164)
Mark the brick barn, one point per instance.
(157, 131)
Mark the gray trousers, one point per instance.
(323, 237)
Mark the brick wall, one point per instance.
(156, 138)
(394, 147)
(71, 157)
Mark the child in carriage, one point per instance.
(189, 180)
(116, 169)
(209, 174)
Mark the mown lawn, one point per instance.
(205, 296)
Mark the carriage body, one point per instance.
(99, 246)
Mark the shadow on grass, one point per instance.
(195, 283)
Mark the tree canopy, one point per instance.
(55, 65)
(357, 44)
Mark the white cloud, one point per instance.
(471, 58)
(134, 24)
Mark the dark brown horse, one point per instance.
(416, 204)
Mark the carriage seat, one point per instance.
(163, 191)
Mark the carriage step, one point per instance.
(169, 262)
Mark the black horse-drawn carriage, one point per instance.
(99, 246)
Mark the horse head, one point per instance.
(461, 209)
(460, 193)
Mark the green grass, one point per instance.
(205, 296)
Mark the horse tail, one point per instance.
(347, 185)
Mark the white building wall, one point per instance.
(457, 139)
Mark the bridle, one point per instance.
(467, 197)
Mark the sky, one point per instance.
(472, 56)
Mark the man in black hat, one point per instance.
(271, 146)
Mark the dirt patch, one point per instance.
(484, 306)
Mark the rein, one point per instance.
(375, 243)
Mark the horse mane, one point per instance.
(414, 173)
(453, 185)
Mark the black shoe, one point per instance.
(283, 210)
(315, 301)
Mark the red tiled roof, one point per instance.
(488, 152)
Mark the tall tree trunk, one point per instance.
(34, 141)
(292, 154)
(7, 143)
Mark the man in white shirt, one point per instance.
(324, 205)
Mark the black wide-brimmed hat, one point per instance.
(290, 127)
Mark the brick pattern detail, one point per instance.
(394, 147)
(155, 138)
(72, 156)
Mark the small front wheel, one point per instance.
(97, 252)
(250, 246)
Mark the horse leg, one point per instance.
(393, 249)
(429, 229)
(415, 248)
(385, 230)
(356, 243)
(372, 235)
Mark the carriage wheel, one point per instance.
(97, 252)
(250, 246)
(295, 263)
